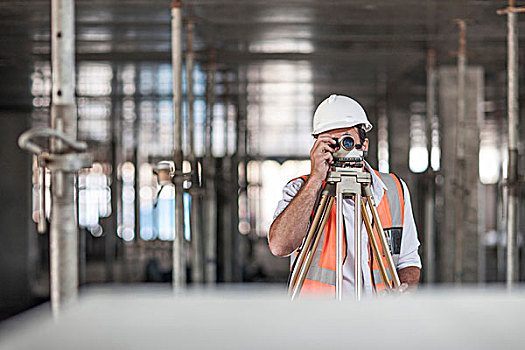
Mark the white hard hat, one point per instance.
(338, 111)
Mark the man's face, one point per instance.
(342, 131)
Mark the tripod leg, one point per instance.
(309, 238)
(306, 266)
(384, 243)
(358, 262)
(375, 247)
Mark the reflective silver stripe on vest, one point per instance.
(317, 273)
(393, 199)
(395, 257)
(378, 277)
(394, 202)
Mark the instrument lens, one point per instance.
(347, 142)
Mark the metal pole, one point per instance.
(189, 76)
(339, 248)
(210, 207)
(197, 270)
(210, 97)
(358, 271)
(460, 152)
(429, 195)
(241, 168)
(228, 192)
(64, 230)
(111, 231)
(512, 181)
(179, 259)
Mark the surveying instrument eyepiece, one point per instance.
(346, 179)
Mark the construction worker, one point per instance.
(334, 117)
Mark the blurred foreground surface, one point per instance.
(261, 317)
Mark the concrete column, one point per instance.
(448, 107)
(399, 145)
(459, 177)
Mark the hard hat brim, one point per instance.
(339, 125)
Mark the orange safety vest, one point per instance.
(322, 274)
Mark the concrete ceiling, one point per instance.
(350, 46)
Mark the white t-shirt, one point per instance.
(409, 243)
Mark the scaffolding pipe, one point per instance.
(512, 180)
(197, 268)
(210, 103)
(229, 195)
(210, 198)
(460, 152)
(383, 151)
(210, 209)
(110, 237)
(179, 258)
(64, 231)
(189, 78)
(429, 195)
(227, 229)
(239, 170)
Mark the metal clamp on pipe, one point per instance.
(68, 162)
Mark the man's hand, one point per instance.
(289, 228)
(402, 288)
(321, 157)
(409, 277)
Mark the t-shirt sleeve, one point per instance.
(289, 192)
(409, 255)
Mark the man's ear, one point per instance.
(365, 145)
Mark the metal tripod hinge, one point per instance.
(67, 162)
(342, 183)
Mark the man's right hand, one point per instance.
(321, 157)
(289, 228)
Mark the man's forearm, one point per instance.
(410, 275)
(289, 228)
